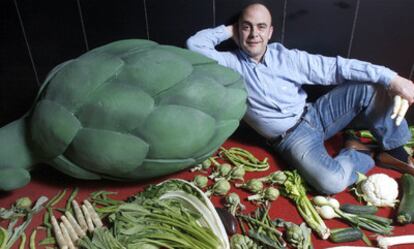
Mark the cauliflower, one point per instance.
(380, 190)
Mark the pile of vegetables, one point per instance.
(173, 214)
(21, 211)
(178, 214)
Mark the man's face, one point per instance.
(255, 30)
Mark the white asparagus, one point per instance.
(75, 225)
(58, 233)
(401, 113)
(385, 242)
(397, 106)
(71, 231)
(79, 216)
(88, 218)
(66, 236)
(95, 217)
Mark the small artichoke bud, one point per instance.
(239, 241)
(294, 233)
(206, 164)
(271, 193)
(200, 181)
(252, 185)
(233, 203)
(221, 187)
(237, 173)
(224, 169)
(232, 199)
(277, 177)
(23, 203)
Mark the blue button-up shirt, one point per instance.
(276, 99)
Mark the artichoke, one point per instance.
(128, 110)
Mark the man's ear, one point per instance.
(270, 32)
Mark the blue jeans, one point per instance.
(361, 106)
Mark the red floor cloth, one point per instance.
(47, 181)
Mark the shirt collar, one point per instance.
(265, 61)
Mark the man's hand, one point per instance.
(404, 97)
(403, 87)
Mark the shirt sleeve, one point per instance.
(318, 69)
(205, 42)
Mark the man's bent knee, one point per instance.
(330, 185)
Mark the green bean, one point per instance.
(56, 199)
(33, 239)
(62, 210)
(241, 157)
(23, 241)
(49, 240)
(102, 194)
(70, 199)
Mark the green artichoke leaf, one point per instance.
(107, 152)
(155, 70)
(176, 132)
(52, 136)
(117, 107)
(74, 83)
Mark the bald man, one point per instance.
(277, 107)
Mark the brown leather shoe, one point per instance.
(387, 161)
(357, 145)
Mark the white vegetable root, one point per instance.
(58, 233)
(75, 225)
(88, 218)
(94, 216)
(385, 242)
(71, 231)
(79, 215)
(400, 109)
(66, 236)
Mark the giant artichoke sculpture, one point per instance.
(129, 110)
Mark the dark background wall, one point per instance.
(37, 35)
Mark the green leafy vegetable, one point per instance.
(295, 189)
(239, 241)
(262, 229)
(16, 232)
(173, 214)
